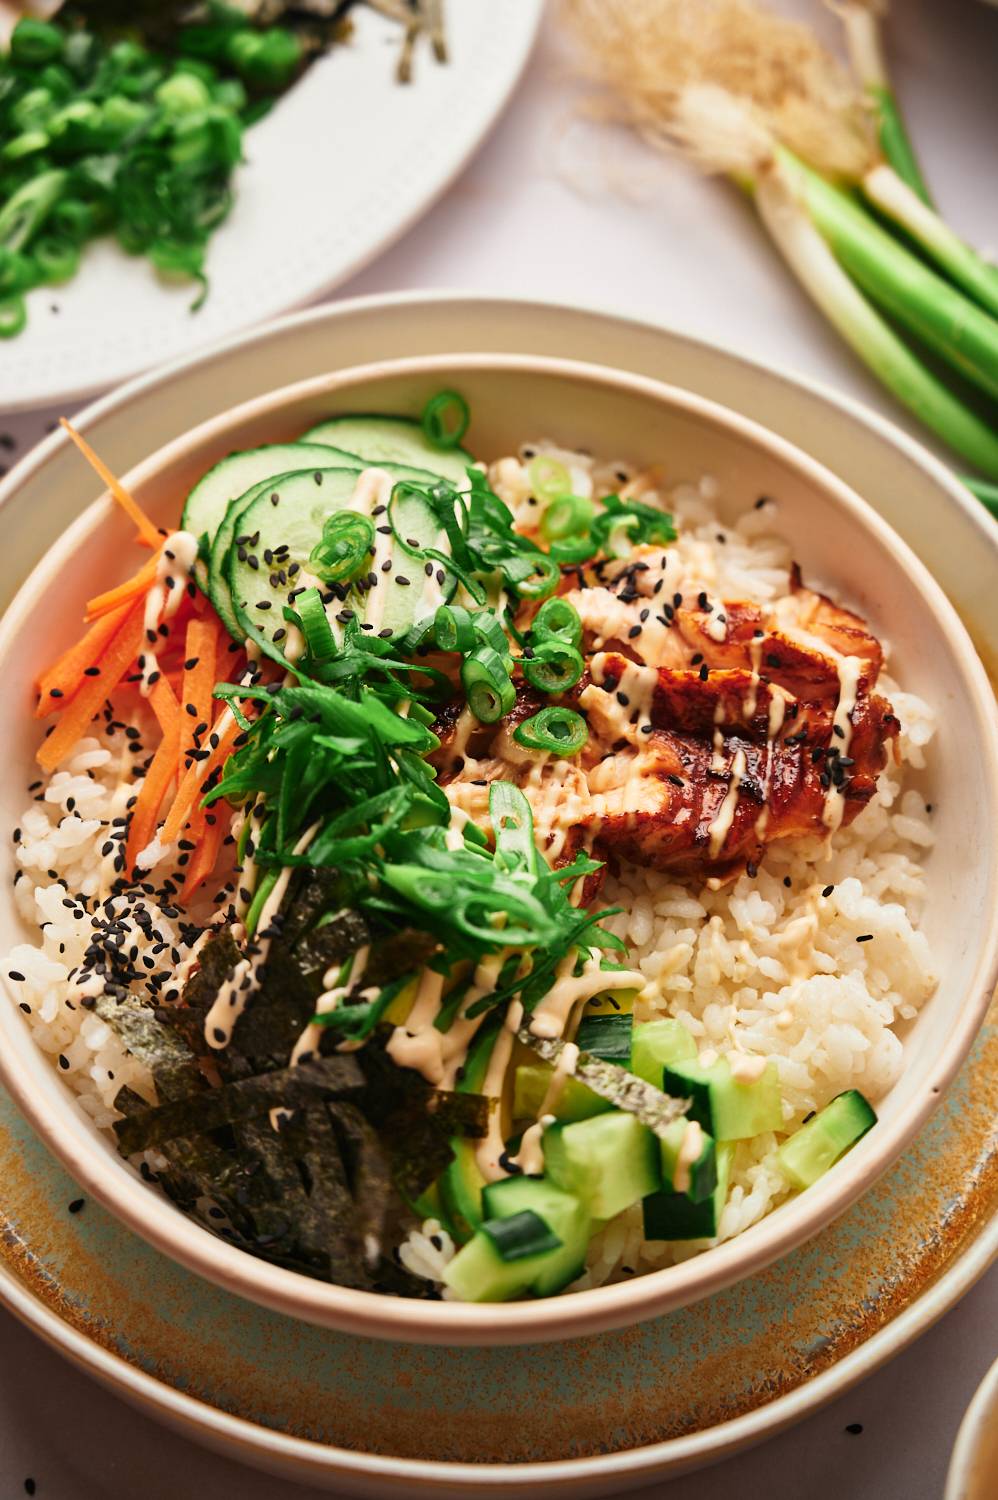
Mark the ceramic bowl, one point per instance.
(973, 1471)
(839, 541)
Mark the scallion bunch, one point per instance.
(826, 159)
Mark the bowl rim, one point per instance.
(982, 1410)
(123, 1193)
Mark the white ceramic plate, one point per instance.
(973, 1473)
(345, 162)
(917, 494)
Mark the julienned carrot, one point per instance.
(200, 646)
(118, 656)
(189, 791)
(161, 772)
(64, 679)
(205, 856)
(124, 593)
(147, 531)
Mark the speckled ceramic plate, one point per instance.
(579, 1417)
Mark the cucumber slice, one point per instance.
(462, 1183)
(233, 475)
(608, 1162)
(574, 1102)
(674, 1216)
(816, 1146)
(291, 524)
(727, 1109)
(397, 440)
(479, 1274)
(658, 1044)
(608, 1037)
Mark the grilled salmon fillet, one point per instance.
(716, 727)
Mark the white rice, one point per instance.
(767, 965)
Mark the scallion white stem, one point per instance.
(932, 308)
(786, 215)
(902, 205)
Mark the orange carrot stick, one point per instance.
(199, 682)
(124, 593)
(117, 657)
(161, 772)
(147, 531)
(190, 789)
(66, 676)
(206, 855)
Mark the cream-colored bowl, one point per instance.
(973, 1470)
(838, 540)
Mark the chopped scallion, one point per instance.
(559, 731)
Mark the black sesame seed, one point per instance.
(704, 672)
(854, 1428)
(828, 890)
(866, 937)
(787, 881)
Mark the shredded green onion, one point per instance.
(445, 419)
(574, 549)
(553, 667)
(315, 626)
(548, 478)
(347, 543)
(13, 316)
(544, 579)
(557, 620)
(453, 628)
(487, 685)
(559, 731)
(568, 516)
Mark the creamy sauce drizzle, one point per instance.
(235, 994)
(689, 1152)
(850, 669)
(530, 1157)
(179, 554)
(491, 1147)
(551, 1014)
(721, 825)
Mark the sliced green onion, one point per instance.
(567, 516)
(553, 667)
(25, 211)
(513, 827)
(343, 553)
(13, 316)
(543, 581)
(574, 549)
(548, 478)
(559, 731)
(57, 259)
(35, 42)
(445, 419)
(557, 620)
(487, 685)
(489, 630)
(453, 628)
(315, 626)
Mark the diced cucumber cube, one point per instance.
(696, 1178)
(674, 1216)
(816, 1146)
(609, 1161)
(478, 1272)
(727, 1108)
(657, 1044)
(574, 1102)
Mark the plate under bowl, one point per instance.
(839, 542)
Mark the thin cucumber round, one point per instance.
(281, 527)
(398, 440)
(233, 475)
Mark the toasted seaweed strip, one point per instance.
(216, 961)
(174, 1067)
(241, 1100)
(652, 1107)
(369, 1166)
(415, 1120)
